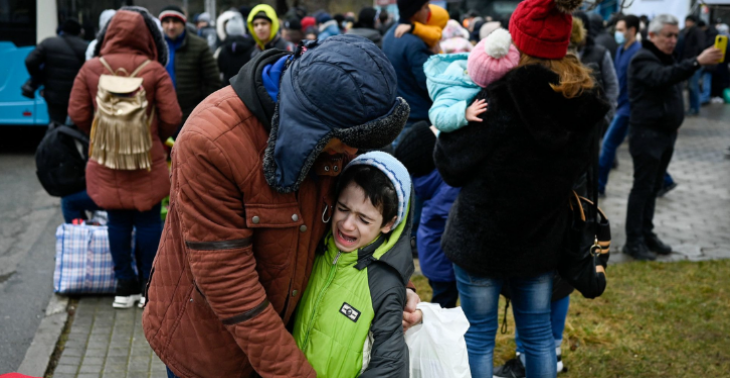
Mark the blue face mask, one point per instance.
(620, 38)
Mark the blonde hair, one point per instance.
(574, 76)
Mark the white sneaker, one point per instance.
(126, 302)
(142, 301)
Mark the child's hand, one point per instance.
(402, 29)
(475, 109)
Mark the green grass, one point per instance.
(654, 320)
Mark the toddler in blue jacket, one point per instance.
(454, 80)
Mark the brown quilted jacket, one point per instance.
(235, 255)
(125, 47)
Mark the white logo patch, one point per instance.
(349, 311)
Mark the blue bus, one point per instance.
(23, 24)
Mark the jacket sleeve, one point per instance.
(34, 60)
(610, 84)
(168, 110)
(654, 74)
(417, 55)
(428, 33)
(389, 356)
(448, 114)
(458, 153)
(210, 206)
(211, 75)
(81, 104)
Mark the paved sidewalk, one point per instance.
(108, 343)
(694, 219)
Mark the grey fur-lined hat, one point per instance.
(344, 88)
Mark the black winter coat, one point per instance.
(694, 42)
(57, 60)
(235, 52)
(655, 90)
(196, 73)
(517, 171)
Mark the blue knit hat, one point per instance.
(396, 173)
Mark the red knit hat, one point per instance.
(541, 28)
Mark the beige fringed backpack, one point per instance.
(120, 134)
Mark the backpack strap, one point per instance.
(139, 68)
(108, 67)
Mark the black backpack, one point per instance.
(61, 160)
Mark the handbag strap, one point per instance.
(594, 177)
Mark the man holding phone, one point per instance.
(657, 112)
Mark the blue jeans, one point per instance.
(694, 92)
(75, 205)
(148, 226)
(531, 306)
(706, 87)
(558, 314)
(615, 135)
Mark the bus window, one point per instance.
(18, 22)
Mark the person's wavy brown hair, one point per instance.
(574, 76)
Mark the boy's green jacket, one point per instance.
(349, 321)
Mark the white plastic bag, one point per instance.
(437, 347)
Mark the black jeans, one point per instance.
(651, 152)
(57, 113)
(444, 293)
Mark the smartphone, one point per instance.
(721, 43)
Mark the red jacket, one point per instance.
(127, 45)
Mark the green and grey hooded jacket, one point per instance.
(349, 320)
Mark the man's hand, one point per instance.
(411, 316)
(402, 29)
(710, 56)
(475, 109)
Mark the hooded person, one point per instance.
(207, 32)
(600, 36)
(524, 157)
(130, 41)
(327, 26)
(104, 18)
(263, 24)
(365, 26)
(222, 20)
(255, 169)
(455, 39)
(235, 51)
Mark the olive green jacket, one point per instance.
(196, 73)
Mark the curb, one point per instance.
(44, 342)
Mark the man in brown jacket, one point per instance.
(252, 186)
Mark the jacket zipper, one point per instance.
(330, 278)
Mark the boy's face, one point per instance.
(262, 28)
(356, 222)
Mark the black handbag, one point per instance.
(588, 240)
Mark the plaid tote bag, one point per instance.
(83, 261)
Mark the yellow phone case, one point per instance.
(721, 43)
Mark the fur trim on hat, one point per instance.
(497, 43)
(371, 135)
(150, 21)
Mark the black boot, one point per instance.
(657, 246)
(639, 251)
(127, 293)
